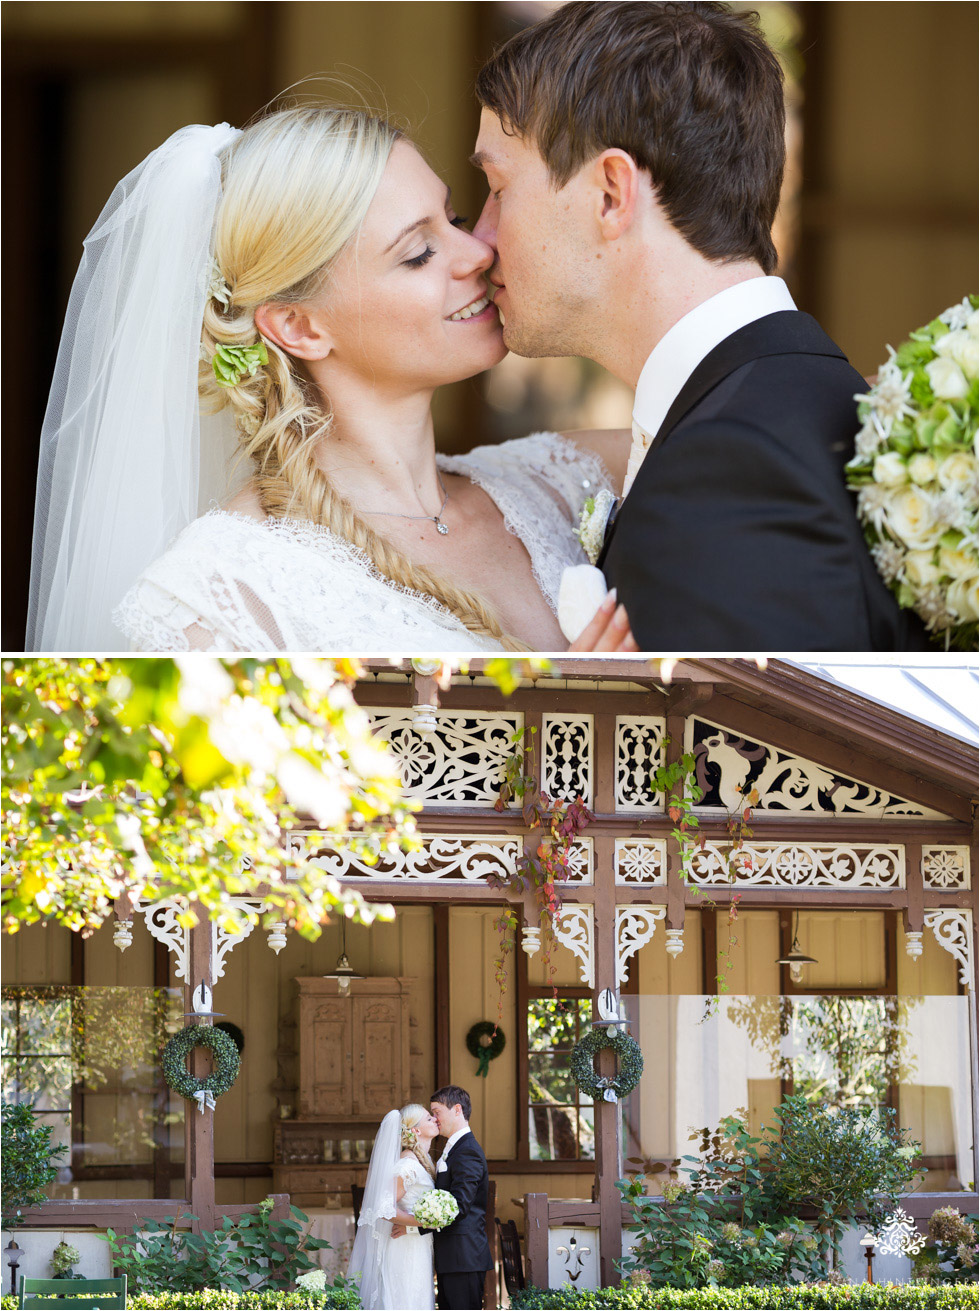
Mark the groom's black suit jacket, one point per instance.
(462, 1246)
(739, 532)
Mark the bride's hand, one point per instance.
(607, 630)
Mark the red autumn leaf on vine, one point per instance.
(675, 813)
(746, 815)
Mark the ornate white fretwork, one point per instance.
(566, 757)
(794, 865)
(573, 1257)
(470, 857)
(728, 766)
(580, 863)
(953, 930)
(635, 926)
(224, 940)
(459, 763)
(161, 923)
(641, 860)
(946, 869)
(639, 751)
(575, 930)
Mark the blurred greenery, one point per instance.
(182, 779)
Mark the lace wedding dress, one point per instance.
(408, 1267)
(233, 583)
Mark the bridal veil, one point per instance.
(367, 1263)
(123, 464)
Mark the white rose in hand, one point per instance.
(961, 347)
(583, 589)
(947, 379)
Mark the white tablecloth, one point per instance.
(336, 1228)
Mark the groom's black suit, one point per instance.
(461, 1251)
(738, 532)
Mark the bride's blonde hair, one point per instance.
(296, 187)
(412, 1116)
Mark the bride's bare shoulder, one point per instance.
(612, 445)
(246, 502)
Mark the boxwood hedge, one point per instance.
(752, 1298)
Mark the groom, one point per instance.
(462, 1253)
(634, 154)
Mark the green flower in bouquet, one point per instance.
(915, 473)
(436, 1209)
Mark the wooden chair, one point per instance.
(103, 1294)
(511, 1259)
(357, 1198)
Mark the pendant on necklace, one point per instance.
(441, 527)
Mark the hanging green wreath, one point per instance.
(485, 1041)
(226, 1063)
(600, 1087)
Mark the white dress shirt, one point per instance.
(453, 1140)
(680, 350)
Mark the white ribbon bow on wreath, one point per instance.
(204, 1098)
(608, 1089)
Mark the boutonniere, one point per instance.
(591, 530)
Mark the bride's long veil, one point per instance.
(122, 464)
(366, 1263)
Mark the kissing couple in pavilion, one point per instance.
(420, 1220)
(308, 281)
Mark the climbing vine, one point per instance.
(682, 794)
(542, 870)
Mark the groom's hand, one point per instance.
(398, 1230)
(607, 630)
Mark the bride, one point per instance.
(309, 281)
(396, 1273)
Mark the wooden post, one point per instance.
(608, 1115)
(673, 750)
(536, 1238)
(198, 1125)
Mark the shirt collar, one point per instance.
(692, 338)
(453, 1140)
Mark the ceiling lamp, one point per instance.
(343, 971)
(795, 958)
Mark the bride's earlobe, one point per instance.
(295, 330)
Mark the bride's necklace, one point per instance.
(434, 518)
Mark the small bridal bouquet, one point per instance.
(436, 1209)
(915, 473)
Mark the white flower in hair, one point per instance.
(218, 288)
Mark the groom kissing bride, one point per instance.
(394, 1254)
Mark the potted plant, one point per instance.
(63, 1260)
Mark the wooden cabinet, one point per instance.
(353, 1050)
(354, 1067)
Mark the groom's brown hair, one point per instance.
(692, 91)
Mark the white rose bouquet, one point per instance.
(915, 473)
(436, 1209)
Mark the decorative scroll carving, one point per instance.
(729, 765)
(641, 860)
(953, 930)
(161, 922)
(224, 941)
(566, 757)
(580, 863)
(467, 857)
(793, 865)
(635, 926)
(460, 763)
(946, 869)
(639, 751)
(576, 931)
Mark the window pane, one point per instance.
(553, 1133)
(45, 1026)
(46, 1081)
(550, 1080)
(555, 1023)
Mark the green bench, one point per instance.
(93, 1294)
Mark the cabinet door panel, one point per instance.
(377, 1067)
(330, 1067)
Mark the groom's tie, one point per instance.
(641, 444)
